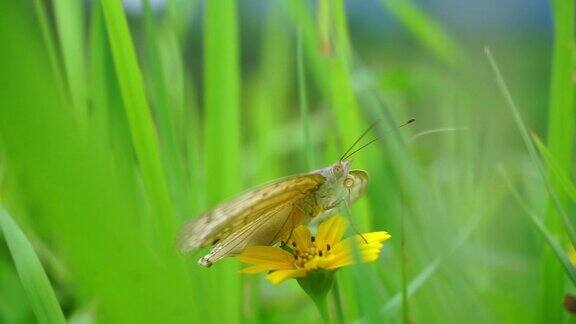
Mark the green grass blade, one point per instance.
(324, 21)
(426, 274)
(70, 22)
(222, 105)
(179, 13)
(34, 280)
(426, 30)
(561, 118)
(554, 167)
(87, 197)
(548, 236)
(144, 136)
(344, 102)
(303, 100)
(341, 37)
(529, 145)
(553, 281)
(49, 41)
(300, 12)
(13, 300)
(222, 138)
(269, 95)
(396, 301)
(348, 121)
(160, 100)
(560, 141)
(164, 110)
(100, 63)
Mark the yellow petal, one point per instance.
(366, 239)
(266, 255)
(372, 237)
(348, 259)
(339, 262)
(265, 267)
(369, 252)
(315, 263)
(331, 231)
(301, 237)
(325, 262)
(277, 277)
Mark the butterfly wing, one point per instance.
(217, 224)
(267, 228)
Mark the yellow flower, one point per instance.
(306, 253)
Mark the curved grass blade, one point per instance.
(317, 65)
(303, 100)
(556, 247)
(34, 280)
(222, 140)
(144, 136)
(553, 165)
(553, 281)
(70, 23)
(165, 110)
(415, 284)
(529, 145)
(343, 98)
(426, 30)
(397, 300)
(560, 141)
(50, 43)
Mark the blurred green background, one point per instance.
(119, 122)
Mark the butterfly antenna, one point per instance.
(358, 140)
(406, 123)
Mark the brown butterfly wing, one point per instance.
(215, 225)
(266, 228)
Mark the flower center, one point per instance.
(303, 256)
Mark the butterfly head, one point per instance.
(340, 168)
(341, 174)
(342, 183)
(335, 174)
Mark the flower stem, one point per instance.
(322, 306)
(317, 285)
(337, 302)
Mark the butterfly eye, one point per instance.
(349, 182)
(337, 169)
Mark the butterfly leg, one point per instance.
(281, 228)
(284, 243)
(295, 217)
(352, 223)
(308, 210)
(291, 228)
(326, 212)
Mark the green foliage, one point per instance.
(117, 126)
(554, 167)
(222, 138)
(560, 253)
(426, 30)
(560, 139)
(34, 279)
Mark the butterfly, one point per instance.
(267, 214)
